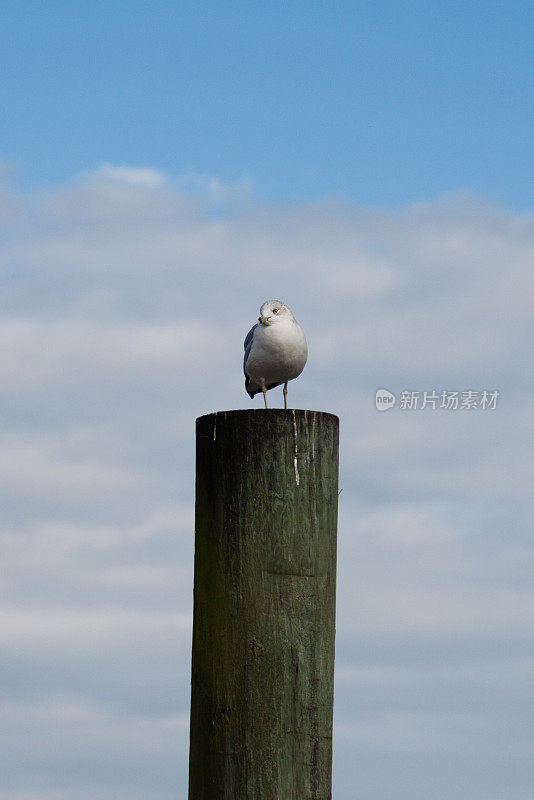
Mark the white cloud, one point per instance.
(126, 304)
(135, 176)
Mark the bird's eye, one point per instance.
(276, 310)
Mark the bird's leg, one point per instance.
(264, 390)
(285, 394)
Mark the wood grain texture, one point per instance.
(264, 606)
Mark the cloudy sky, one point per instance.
(165, 170)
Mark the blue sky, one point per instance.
(380, 102)
(167, 169)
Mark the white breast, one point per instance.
(278, 353)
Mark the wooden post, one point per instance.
(264, 606)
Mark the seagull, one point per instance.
(275, 350)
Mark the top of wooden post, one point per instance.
(249, 413)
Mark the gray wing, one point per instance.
(248, 345)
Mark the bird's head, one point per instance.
(273, 312)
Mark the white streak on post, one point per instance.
(295, 459)
(215, 427)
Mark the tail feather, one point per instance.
(251, 392)
(253, 388)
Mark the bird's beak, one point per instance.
(260, 320)
(263, 320)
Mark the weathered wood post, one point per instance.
(264, 606)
